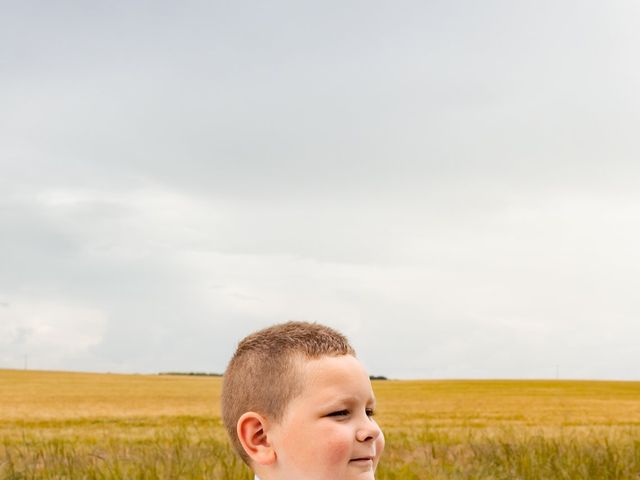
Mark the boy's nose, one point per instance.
(368, 431)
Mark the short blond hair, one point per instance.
(263, 374)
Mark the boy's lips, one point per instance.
(363, 459)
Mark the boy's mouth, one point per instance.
(362, 460)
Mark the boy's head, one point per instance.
(298, 404)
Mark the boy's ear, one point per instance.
(251, 429)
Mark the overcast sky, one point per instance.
(453, 184)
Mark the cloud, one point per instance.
(466, 290)
(451, 185)
(48, 330)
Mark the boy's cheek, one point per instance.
(337, 452)
(337, 445)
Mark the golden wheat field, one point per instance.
(56, 425)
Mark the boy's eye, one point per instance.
(339, 413)
(343, 413)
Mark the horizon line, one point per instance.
(386, 379)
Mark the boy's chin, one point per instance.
(361, 470)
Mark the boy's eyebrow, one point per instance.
(350, 399)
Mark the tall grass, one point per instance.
(172, 454)
(188, 453)
(514, 456)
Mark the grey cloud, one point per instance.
(310, 112)
(309, 160)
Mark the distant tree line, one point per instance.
(377, 377)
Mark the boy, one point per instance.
(298, 405)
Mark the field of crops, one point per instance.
(96, 426)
